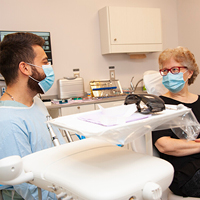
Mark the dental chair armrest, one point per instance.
(12, 172)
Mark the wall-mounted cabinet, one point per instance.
(130, 30)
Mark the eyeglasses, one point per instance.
(173, 70)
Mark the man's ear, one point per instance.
(25, 68)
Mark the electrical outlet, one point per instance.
(112, 74)
(76, 73)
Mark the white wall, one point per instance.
(74, 28)
(189, 32)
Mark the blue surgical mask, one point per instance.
(174, 82)
(46, 83)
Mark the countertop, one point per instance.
(85, 102)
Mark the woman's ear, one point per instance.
(25, 68)
(190, 74)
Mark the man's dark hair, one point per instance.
(15, 48)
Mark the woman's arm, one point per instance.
(177, 147)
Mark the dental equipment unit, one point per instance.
(95, 168)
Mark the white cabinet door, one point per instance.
(130, 29)
(109, 104)
(76, 109)
(135, 25)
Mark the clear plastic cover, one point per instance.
(185, 126)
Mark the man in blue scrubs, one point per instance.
(23, 116)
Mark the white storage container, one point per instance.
(70, 88)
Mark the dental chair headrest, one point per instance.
(153, 83)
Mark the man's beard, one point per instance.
(33, 85)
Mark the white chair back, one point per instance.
(153, 83)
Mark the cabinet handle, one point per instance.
(78, 107)
(115, 39)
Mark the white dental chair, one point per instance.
(91, 169)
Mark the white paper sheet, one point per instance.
(114, 116)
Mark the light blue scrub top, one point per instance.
(23, 131)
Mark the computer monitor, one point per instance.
(44, 35)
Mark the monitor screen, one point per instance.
(44, 35)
